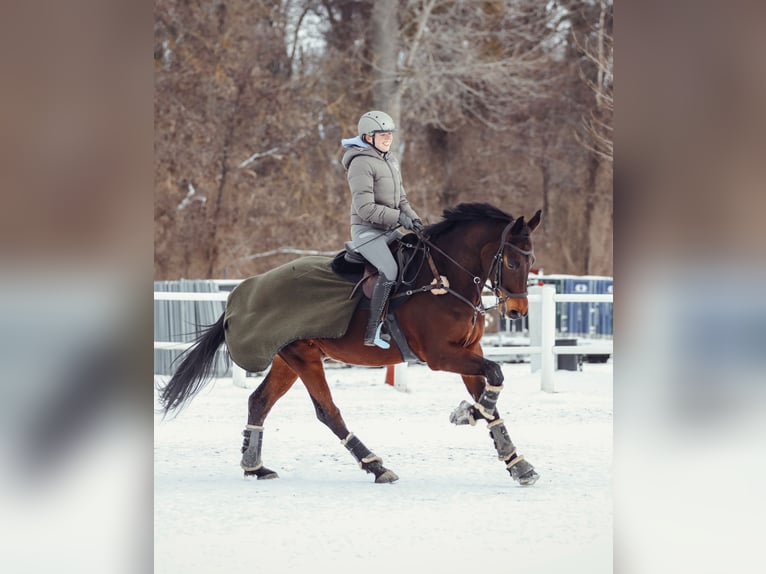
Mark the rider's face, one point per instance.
(383, 140)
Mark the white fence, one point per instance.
(542, 332)
(542, 328)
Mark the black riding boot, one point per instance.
(377, 303)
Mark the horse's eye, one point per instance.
(511, 264)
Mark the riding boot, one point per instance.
(378, 301)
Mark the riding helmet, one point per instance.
(375, 122)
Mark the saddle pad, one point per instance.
(303, 299)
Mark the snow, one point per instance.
(454, 508)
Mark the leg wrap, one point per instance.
(503, 444)
(488, 400)
(521, 471)
(360, 452)
(251, 448)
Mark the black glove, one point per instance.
(417, 226)
(405, 220)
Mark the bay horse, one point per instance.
(474, 244)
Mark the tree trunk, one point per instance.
(385, 45)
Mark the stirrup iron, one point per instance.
(380, 341)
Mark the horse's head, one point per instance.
(511, 264)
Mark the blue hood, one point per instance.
(355, 142)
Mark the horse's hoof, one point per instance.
(382, 474)
(388, 476)
(523, 473)
(262, 473)
(528, 479)
(463, 414)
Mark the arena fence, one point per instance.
(175, 326)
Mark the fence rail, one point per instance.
(542, 327)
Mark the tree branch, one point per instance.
(272, 151)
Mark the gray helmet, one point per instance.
(375, 122)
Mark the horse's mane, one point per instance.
(466, 212)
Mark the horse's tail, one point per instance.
(195, 370)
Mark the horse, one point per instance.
(474, 244)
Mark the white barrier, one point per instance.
(542, 315)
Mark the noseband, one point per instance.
(496, 269)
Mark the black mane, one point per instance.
(467, 212)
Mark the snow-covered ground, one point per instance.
(454, 509)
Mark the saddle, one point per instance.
(353, 267)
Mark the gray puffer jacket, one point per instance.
(377, 193)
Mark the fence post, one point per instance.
(547, 337)
(534, 326)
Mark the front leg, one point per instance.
(485, 395)
(466, 361)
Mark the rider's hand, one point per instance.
(405, 220)
(417, 226)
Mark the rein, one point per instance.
(439, 284)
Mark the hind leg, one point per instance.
(279, 380)
(305, 358)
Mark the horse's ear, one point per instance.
(518, 225)
(535, 221)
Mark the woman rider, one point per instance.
(378, 207)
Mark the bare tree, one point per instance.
(473, 62)
(252, 99)
(599, 50)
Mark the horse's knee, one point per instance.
(494, 373)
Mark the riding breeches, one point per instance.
(373, 244)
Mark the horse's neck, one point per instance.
(465, 247)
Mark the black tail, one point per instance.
(194, 372)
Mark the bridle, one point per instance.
(496, 268)
(494, 276)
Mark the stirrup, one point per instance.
(379, 341)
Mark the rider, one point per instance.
(378, 207)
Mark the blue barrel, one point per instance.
(605, 310)
(579, 316)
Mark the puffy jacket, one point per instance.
(377, 193)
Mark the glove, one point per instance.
(405, 220)
(417, 226)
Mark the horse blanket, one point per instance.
(303, 299)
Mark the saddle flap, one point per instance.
(351, 254)
(352, 265)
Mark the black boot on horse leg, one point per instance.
(520, 470)
(378, 301)
(485, 408)
(251, 454)
(306, 360)
(367, 460)
(279, 380)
